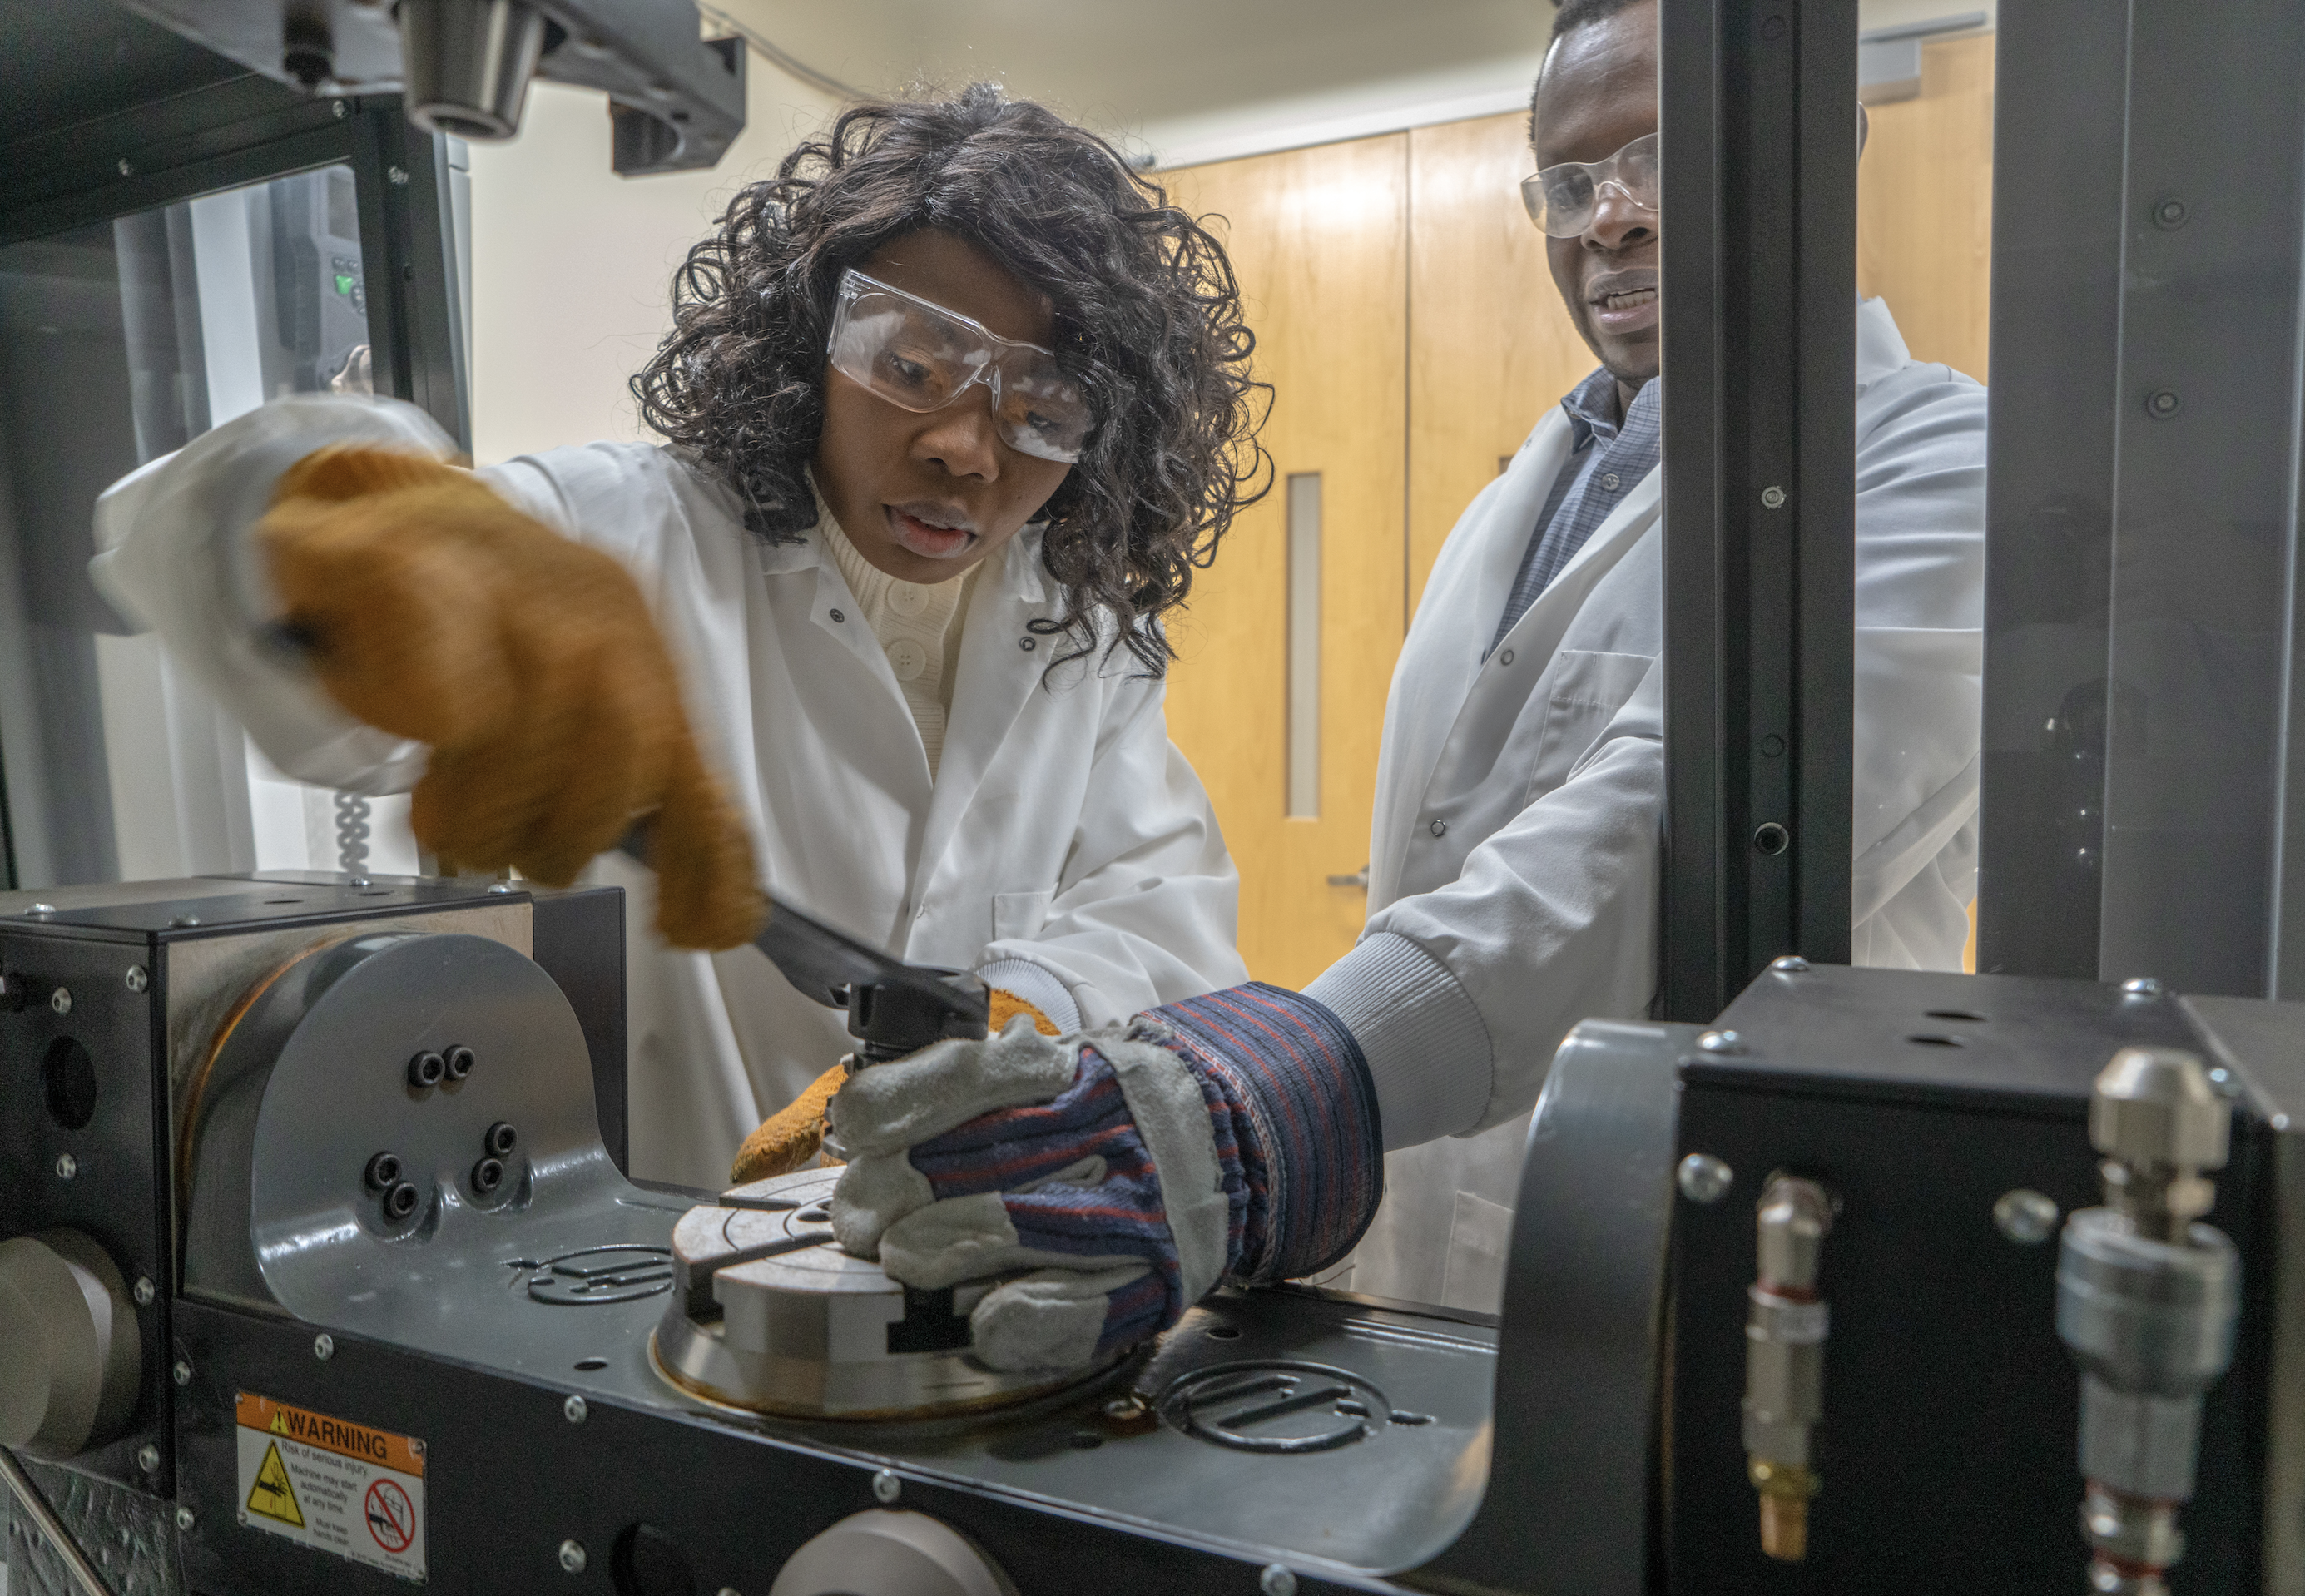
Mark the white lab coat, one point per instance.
(1516, 834)
(1065, 845)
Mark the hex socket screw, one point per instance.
(400, 1201)
(59, 1000)
(887, 1488)
(186, 1519)
(138, 978)
(1276, 1581)
(501, 1139)
(324, 1346)
(147, 1458)
(426, 1069)
(459, 1060)
(487, 1174)
(574, 1410)
(383, 1172)
(145, 1291)
(67, 1165)
(182, 1372)
(572, 1557)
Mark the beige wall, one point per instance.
(572, 265)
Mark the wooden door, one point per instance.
(1319, 238)
(1925, 206)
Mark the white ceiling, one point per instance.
(1184, 80)
(1173, 71)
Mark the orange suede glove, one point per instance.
(529, 663)
(794, 1133)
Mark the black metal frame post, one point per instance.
(1759, 131)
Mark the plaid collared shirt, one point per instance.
(1593, 481)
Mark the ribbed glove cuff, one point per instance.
(1287, 1079)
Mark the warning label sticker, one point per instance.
(340, 1487)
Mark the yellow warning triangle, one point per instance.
(272, 1495)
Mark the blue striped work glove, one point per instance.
(1109, 1179)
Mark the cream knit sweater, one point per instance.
(918, 627)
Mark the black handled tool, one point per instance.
(894, 1008)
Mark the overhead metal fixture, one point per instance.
(465, 65)
(677, 99)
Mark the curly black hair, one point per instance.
(1147, 318)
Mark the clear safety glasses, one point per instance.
(1562, 200)
(921, 357)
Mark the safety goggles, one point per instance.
(1562, 200)
(921, 357)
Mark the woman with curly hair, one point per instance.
(954, 407)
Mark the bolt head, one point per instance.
(324, 1346)
(59, 1000)
(148, 1457)
(2142, 986)
(186, 1519)
(1721, 1042)
(500, 886)
(397, 174)
(1704, 1179)
(2025, 1216)
(2163, 404)
(2155, 1106)
(1773, 497)
(184, 923)
(572, 1555)
(41, 909)
(1790, 964)
(574, 1410)
(1277, 1581)
(145, 1291)
(2170, 214)
(182, 1372)
(138, 978)
(338, 107)
(67, 1165)
(887, 1488)
(125, 167)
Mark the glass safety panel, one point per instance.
(120, 343)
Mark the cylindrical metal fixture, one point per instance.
(1785, 1327)
(467, 65)
(2146, 1302)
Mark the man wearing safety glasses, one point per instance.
(1515, 858)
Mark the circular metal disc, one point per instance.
(770, 1314)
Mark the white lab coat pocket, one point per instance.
(1588, 690)
(1018, 916)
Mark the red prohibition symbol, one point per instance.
(391, 1516)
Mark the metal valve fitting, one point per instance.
(2147, 1301)
(1785, 1327)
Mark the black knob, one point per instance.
(487, 1174)
(501, 1139)
(400, 1202)
(383, 1172)
(426, 1069)
(460, 1062)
